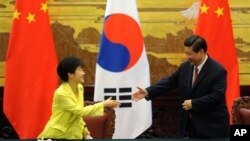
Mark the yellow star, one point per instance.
(16, 14)
(44, 7)
(204, 8)
(219, 11)
(31, 17)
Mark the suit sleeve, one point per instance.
(163, 85)
(215, 95)
(67, 103)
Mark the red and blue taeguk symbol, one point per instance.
(121, 43)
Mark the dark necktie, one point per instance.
(195, 73)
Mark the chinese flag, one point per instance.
(30, 75)
(215, 25)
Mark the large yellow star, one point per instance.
(219, 11)
(44, 7)
(31, 17)
(204, 8)
(16, 14)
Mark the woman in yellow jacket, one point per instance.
(66, 121)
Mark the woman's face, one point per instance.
(78, 76)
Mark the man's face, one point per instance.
(195, 58)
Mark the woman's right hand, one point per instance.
(111, 103)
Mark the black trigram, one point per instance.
(123, 95)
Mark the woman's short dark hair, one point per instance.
(68, 65)
(196, 42)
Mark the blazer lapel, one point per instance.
(70, 92)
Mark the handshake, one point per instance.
(139, 94)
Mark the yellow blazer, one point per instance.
(66, 121)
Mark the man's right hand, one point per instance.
(139, 94)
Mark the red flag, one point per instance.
(215, 25)
(30, 78)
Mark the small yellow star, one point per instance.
(204, 8)
(31, 17)
(44, 7)
(219, 11)
(16, 14)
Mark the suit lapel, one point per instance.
(190, 77)
(202, 74)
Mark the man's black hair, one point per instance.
(196, 42)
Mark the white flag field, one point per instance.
(121, 66)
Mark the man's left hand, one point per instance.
(187, 104)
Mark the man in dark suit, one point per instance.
(202, 84)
